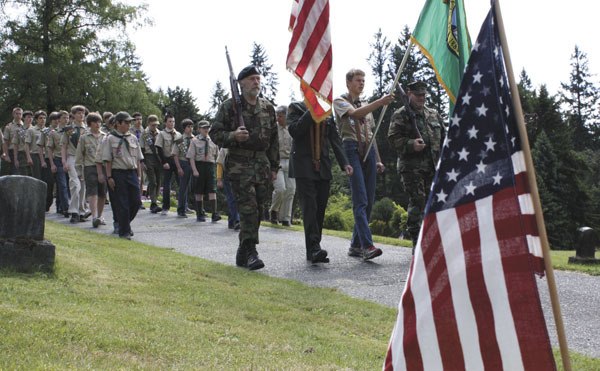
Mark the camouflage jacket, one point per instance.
(260, 123)
(402, 135)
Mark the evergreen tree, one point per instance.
(181, 104)
(53, 54)
(260, 59)
(378, 61)
(581, 96)
(218, 96)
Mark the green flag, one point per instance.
(441, 34)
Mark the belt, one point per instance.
(246, 152)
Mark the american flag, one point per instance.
(471, 300)
(309, 56)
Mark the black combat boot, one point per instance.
(254, 262)
(215, 215)
(317, 255)
(241, 257)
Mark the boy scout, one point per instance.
(21, 162)
(122, 154)
(152, 163)
(184, 169)
(53, 147)
(8, 167)
(85, 158)
(164, 146)
(32, 151)
(77, 207)
(47, 176)
(203, 154)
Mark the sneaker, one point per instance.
(215, 217)
(355, 251)
(285, 223)
(164, 212)
(236, 226)
(200, 218)
(74, 218)
(189, 211)
(371, 252)
(179, 215)
(96, 222)
(82, 218)
(154, 208)
(102, 221)
(87, 215)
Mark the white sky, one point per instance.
(186, 45)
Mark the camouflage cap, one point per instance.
(417, 87)
(248, 71)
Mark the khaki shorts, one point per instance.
(92, 187)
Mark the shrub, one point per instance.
(338, 215)
(388, 218)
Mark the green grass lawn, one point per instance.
(114, 304)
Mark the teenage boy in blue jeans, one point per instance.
(356, 124)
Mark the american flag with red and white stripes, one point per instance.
(471, 300)
(309, 55)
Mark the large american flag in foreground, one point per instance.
(309, 55)
(471, 300)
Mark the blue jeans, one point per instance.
(184, 185)
(167, 176)
(232, 211)
(62, 190)
(362, 187)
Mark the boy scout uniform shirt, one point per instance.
(123, 151)
(165, 141)
(347, 125)
(32, 136)
(18, 137)
(148, 139)
(73, 139)
(8, 132)
(181, 146)
(43, 139)
(53, 142)
(87, 149)
(202, 149)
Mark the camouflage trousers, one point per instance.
(416, 186)
(250, 197)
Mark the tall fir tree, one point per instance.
(270, 81)
(218, 96)
(581, 96)
(181, 104)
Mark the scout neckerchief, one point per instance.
(122, 136)
(75, 135)
(357, 127)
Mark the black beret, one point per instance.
(248, 71)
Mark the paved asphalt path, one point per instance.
(380, 280)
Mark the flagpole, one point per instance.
(400, 69)
(539, 216)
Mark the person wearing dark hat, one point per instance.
(418, 149)
(164, 146)
(122, 155)
(184, 169)
(203, 155)
(355, 121)
(252, 161)
(310, 165)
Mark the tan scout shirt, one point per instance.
(32, 136)
(8, 132)
(285, 142)
(87, 149)
(180, 149)
(53, 143)
(18, 134)
(43, 139)
(72, 140)
(202, 149)
(148, 139)
(165, 141)
(347, 125)
(124, 152)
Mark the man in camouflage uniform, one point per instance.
(252, 161)
(418, 150)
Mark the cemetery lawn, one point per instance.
(560, 258)
(114, 304)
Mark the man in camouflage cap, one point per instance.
(418, 143)
(252, 161)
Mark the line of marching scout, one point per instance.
(253, 151)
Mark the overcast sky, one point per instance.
(186, 45)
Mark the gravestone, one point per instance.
(586, 247)
(22, 218)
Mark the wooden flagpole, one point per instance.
(400, 69)
(539, 216)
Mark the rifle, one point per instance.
(235, 94)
